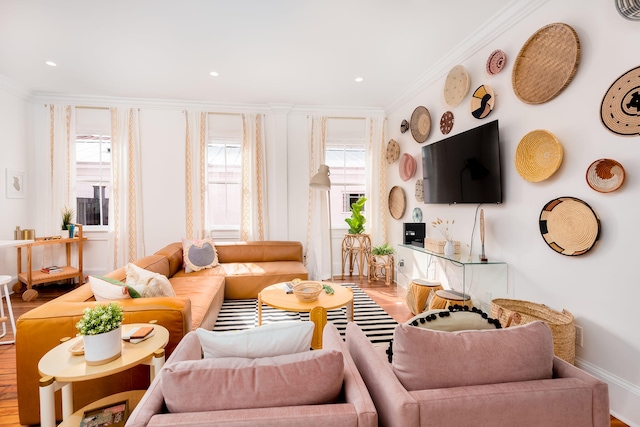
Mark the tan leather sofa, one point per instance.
(245, 269)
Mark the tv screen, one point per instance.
(464, 168)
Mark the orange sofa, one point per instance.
(245, 269)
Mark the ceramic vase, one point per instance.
(102, 348)
(449, 248)
(72, 229)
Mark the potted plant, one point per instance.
(357, 220)
(381, 262)
(67, 218)
(100, 328)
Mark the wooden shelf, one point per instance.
(38, 277)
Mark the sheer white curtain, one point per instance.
(61, 166)
(126, 239)
(318, 233)
(253, 224)
(376, 181)
(196, 173)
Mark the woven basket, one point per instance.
(512, 312)
(307, 291)
(437, 246)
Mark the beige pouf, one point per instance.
(420, 292)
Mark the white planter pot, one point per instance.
(102, 348)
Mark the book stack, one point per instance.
(139, 334)
(52, 269)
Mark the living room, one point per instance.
(580, 284)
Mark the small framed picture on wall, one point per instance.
(16, 184)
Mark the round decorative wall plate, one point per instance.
(417, 215)
(546, 63)
(605, 175)
(569, 226)
(482, 102)
(420, 190)
(420, 124)
(629, 9)
(620, 110)
(456, 85)
(397, 202)
(404, 126)
(446, 122)
(393, 151)
(407, 167)
(496, 62)
(538, 155)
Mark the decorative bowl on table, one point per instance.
(307, 291)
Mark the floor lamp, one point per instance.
(321, 181)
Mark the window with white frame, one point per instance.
(345, 156)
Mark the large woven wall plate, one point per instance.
(456, 85)
(569, 226)
(546, 63)
(605, 175)
(538, 155)
(420, 124)
(620, 110)
(397, 202)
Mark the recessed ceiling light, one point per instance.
(214, 74)
(51, 63)
(359, 79)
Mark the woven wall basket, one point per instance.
(511, 312)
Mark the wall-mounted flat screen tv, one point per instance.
(464, 168)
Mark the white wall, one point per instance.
(599, 287)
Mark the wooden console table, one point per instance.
(356, 249)
(32, 277)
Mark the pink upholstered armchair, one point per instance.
(494, 377)
(288, 390)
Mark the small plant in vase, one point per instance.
(443, 228)
(100, 327)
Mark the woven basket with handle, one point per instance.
(512, 312)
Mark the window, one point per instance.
(93, 179)
(224, 180)
(345, 156)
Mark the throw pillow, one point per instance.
(454, 320)
(427, 359)
(198, 254)
(148, 283)
(309, 378)
(272, 339)
(107, 289)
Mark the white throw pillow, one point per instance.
(148, 283)
(272, 339)
(105, 289)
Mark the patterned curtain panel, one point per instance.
(61, 171)
(253, 225)
(376, 181)
(126, 239)
(318, 234)
(196, 173)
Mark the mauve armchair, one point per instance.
(351, 406)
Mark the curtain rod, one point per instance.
(88, 108)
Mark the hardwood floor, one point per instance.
(385, 296)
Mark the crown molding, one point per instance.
(9, 86)
(505, 19)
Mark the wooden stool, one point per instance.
(445, 298)
(420, 293)
(4, 280)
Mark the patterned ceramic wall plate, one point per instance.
(569, 226)
(620, 110)
(407, 167)
(496, 62)
(456, 86)
(420, 190)
(417, 215)
(605, 175)
(546, 63)
(404, 126)
(538, 155)
(482, 102)
(446, 122)
(393, 151)
(397, 202)
(420, 124)
(629, 9)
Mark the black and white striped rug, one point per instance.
(373, 320)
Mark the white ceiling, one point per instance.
(302, 52)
